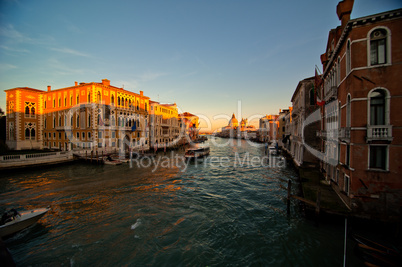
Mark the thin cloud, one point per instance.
(5, 67)
(11, 34)
(70, 52)
(12, 49)
(150, 76)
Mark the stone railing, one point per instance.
(34, 156)
(379, 132)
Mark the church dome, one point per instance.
(233, 121)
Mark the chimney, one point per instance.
(343, 10)
(106, 82)
(49, 88)
(141, 93)
(76, 83)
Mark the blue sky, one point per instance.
(204, 55)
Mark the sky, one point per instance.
(212, 58)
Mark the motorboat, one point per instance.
(197, 151)
(13, 221)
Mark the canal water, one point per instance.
(229, 209)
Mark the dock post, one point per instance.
(289, 195)
(92, 155)
(97, 158)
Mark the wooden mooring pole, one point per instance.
(289, 195)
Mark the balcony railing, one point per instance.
(344, 133)
(379, 133)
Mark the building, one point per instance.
(281, 134)
(189, 124)
(303, 104)
(247, 131)
(268, 128)
(361, 87)
(164, 124)
(83, 116)
(232, 130)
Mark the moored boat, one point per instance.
(110, 161)
(17, 221)
(197, 151)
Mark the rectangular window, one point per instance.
(378, 157)
(346, 184)
(378, 55)
(347, 160)
(113, 134)
(99, 134)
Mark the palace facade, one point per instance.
(86, 115)
(164, 125)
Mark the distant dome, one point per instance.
(233, 121)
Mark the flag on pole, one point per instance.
(317, 85)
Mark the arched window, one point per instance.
(99, 97)
(118, 100)
(377, 107)
(378, 47)
(78, 99)
(27, 133)
(348, 58)
(146, 107)
(89, 97)
(112, 100)
(348, 112)
(138, 105)
(33, 133)
(311, 96)
(26, 110)
(59, 121)
(33, 111)
(78, 121)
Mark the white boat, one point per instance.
(20, 221)
(197, 151)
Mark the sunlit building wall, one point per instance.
(83, 116)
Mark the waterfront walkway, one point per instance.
(34, 159)
(330, 201)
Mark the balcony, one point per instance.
(344, 134)
(331, 92)
(379, 133)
